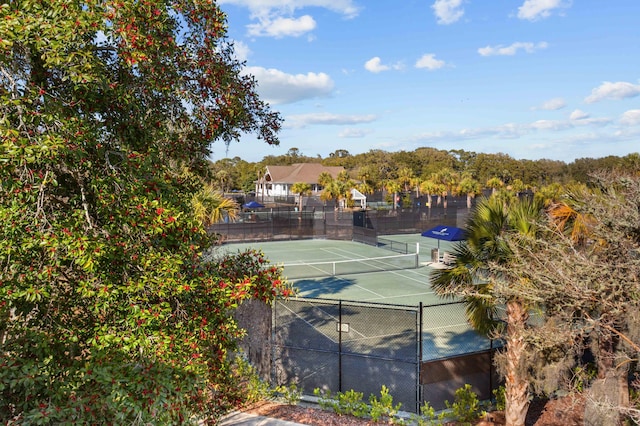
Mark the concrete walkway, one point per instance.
(244, 419)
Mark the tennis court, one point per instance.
(351, 271)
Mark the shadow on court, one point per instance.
(323, 287)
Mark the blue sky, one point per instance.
(556, 79)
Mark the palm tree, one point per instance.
(517, 186)
(324, 179)
(301, 189)
(429, 187)
(223, 178)
(470, 187)
(261, 175)
(367, 174)
(415, 184)
(474, 277)
(448, 180)
(393, 186)
(210, 206)
(337, 191)
(365, 188)
(405, 175)
(494, 183)
(548, 194)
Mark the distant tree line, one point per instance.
(377, 169)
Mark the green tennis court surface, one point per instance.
(445, 330)
(403, 284)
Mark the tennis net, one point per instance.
(351, 266)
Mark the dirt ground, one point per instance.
(556, 412)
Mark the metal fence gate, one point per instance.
(339, 346)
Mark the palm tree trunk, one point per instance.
(516, 387)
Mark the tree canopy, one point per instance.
(107, 309)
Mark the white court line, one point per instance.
(400, 296)
(307, 322)
(338, 279)
(400, 272)
(444, 326)
(329, 315)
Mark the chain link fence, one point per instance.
(339, 346)
(421, 353)
(287, 223)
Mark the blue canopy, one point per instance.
(446, 233)
(252, 205)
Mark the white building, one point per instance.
(278, 180)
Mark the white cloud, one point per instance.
(448, 11)
(512, 49)
(260, 7)
(353, 133)
(512, 130)
(552, 105)
(282, 27)
(275, 18)
(631, 117)
(581, 118)
(241, 50)
(277, 87)
(578, 115)
(429, 62)
(325, 118)
(536, 9)
(375, 65)
(618, 90)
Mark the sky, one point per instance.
(553, 79)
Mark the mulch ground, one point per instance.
(567, 411)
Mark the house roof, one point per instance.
(301, 172)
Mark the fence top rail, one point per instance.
(415, 308)
(375, 304)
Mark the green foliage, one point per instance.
(251, 385)
(254, 389)
(107, 310)
(290, 394)
(583, 375)
(427, 415)
(352, 403)
(465, 407)
(349, 402)
(383, 407)
(500, 399)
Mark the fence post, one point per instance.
(340, 345)
(274, 367)
(418, 377)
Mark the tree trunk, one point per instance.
(468, 201)
(610, 391)
(516, 387)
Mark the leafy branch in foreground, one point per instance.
(107, 113)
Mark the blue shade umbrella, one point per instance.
(252, 205)
(446, 233)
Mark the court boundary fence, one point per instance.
(338, 345)
(286, 223)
